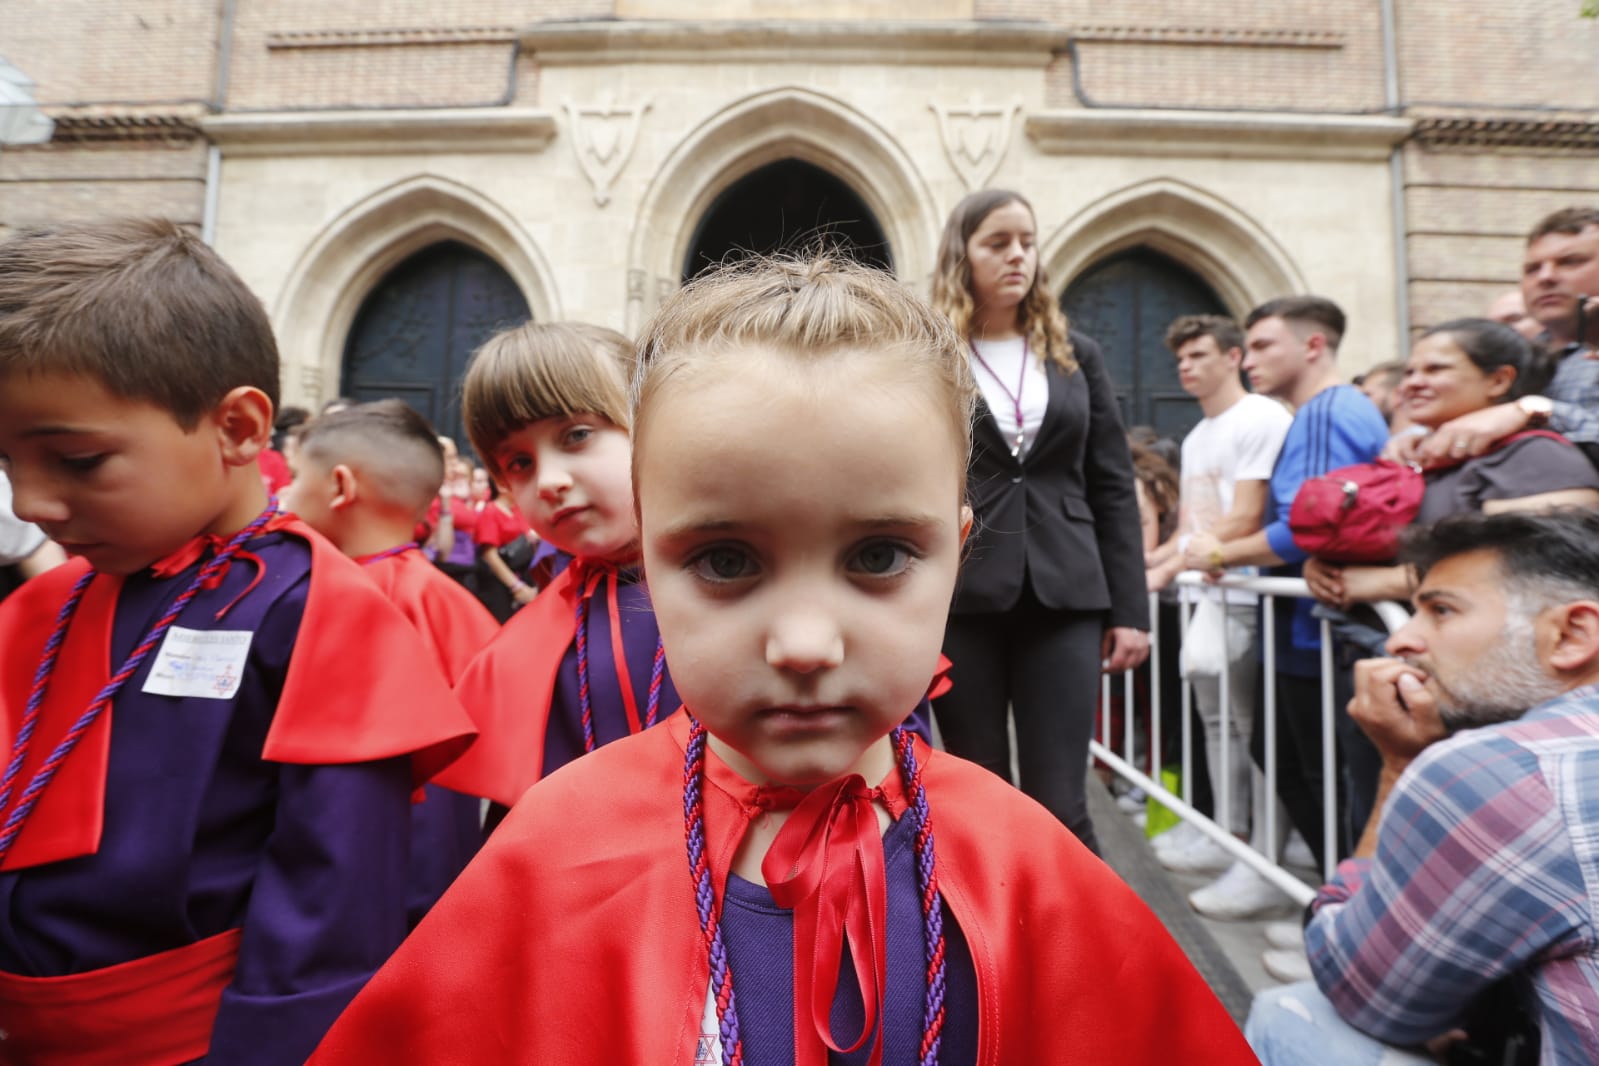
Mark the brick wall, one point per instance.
(1287, 54)
(128, 78)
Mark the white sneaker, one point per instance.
(1287, 966)
(1175, 839)
(1241, 895)
(1203, 856)
(1297, 853)
(1132, 801)
(1286, 936)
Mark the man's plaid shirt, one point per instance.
(1487, 865)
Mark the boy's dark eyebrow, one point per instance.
(57, 431)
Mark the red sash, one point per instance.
(156, 1010)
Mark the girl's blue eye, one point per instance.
(722, 564)
(882, 559)
(579, 434)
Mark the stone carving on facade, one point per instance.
(311, 384)
(975, 138)
(603, 136)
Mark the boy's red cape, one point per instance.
(453, 624)
(509, 688)
(360, 687)
(574, 939)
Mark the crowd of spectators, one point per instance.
(1459, 923)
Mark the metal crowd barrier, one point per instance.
(1124, 765)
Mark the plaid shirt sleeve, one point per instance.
(1474, 878)
(1575, 392)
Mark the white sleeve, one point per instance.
(18, 539)
(1260, 438)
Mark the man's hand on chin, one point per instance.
(1393, 706)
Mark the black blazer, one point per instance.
(1065, 517)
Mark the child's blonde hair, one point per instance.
(541, 370)
(806, 309)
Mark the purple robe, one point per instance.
(760, 949)
(563, 740)
(202, 835)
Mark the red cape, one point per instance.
(508, 690)
(594, 952)
(360, 687)
(453, 624)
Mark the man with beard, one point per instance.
(1481, 869)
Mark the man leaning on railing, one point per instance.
(1466, 919)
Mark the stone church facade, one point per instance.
(574, 156)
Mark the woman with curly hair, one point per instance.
(1052, 590)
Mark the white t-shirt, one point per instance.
(1240, 444)
(1002, 378)
(18, 539)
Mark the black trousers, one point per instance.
(1043, 666)
(1299, 752)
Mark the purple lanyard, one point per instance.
(41, 682)
(386, 553)
(1014, 397)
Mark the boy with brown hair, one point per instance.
(212, 721)
(363, 478)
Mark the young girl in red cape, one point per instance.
(581, 664)
(784, 874)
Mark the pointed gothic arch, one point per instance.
(356, 250)
(763, 128)
(1232, 252)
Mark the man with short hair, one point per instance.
(1509, 308)
(1481, 862)
(1381, 386)
(1292, 356)
(1227, 460)
(1560, 272)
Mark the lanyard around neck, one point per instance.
(1014, 397)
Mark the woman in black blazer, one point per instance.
(1052, 588)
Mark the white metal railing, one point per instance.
(1125, 765)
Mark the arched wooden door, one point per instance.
(787, 206)
(1125, 302)
(418, 327)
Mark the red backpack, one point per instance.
(1354, 514)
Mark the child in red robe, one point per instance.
(783, 873)
(581, 665)
(362, 478)
(212, 721)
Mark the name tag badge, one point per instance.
(208, 663)
(708, 1048)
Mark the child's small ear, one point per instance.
(966, 523)
(244, 423)
(347, 487)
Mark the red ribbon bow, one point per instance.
(192, 552)
(826, 865)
